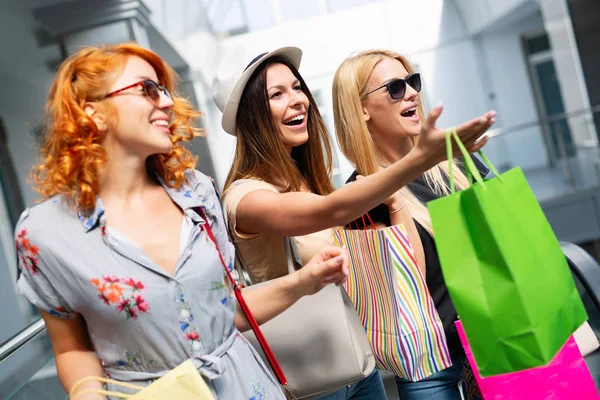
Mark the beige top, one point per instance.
(264, 254)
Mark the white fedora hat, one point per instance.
(231, 79)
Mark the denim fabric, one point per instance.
(370, 388)
(442, 385)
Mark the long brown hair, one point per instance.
(72, 155)
(354, 138)
(260, 151)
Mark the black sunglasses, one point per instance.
(150, 88)
(397, 87)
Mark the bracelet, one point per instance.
(399, 208)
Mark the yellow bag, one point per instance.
(182, 383)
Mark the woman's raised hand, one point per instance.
(330, 265)
(431, 146)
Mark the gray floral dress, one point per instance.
(142, 321)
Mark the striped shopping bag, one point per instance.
(393, 303)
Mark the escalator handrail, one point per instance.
(12, 345)
(586, 268)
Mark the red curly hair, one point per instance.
(72, 155)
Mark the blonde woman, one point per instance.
(379, 118)
(279, 184)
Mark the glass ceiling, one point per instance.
(231, 17)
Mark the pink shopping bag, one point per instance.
(565, 377)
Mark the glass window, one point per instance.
(292, 10)
(227, 17)
(259, 14)
(537, 44)
(339, 5)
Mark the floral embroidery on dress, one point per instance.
(222, 286)
(185, 323)
(259, 392)
(218, 286)
(129, 360)
(125, 293)
(28, 252)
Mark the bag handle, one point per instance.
(370, 220)
(73, 394)
(291, 254)
(364, 228)
(102, 391)
(237, 288)
(470, 167)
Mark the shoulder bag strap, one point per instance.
(292, 254)
(237, 288)
(238, 263)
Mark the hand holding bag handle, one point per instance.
(505, 242)
(470, 168)
(237, 288)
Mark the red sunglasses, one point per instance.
(150, 89)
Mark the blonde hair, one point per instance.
(354, 138)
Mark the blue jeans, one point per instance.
(370, 388)
(442, 385)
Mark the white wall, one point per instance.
(569, 71)
(480, 14)
(178, 18)
(513, 95)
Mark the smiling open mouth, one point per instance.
(409, 113)
(297, 120)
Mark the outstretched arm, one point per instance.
(300, 213)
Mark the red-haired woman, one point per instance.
(118, 258)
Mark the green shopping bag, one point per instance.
(505, 270)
